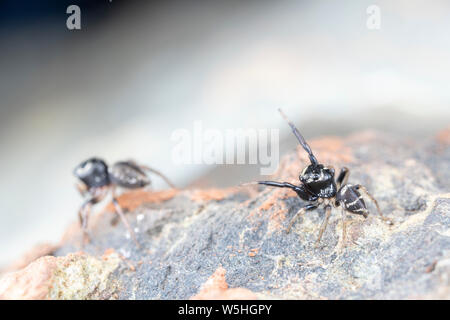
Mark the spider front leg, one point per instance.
(82, 189)
(95, 195)
(301, 191)
(299, 214)
(364, 190)
(119, 211)
(83, 215)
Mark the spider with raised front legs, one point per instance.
(319, 188)
(98, 180)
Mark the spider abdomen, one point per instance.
(351, 200)
(128, 175)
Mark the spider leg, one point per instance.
(300, 139)
(82, 189)
(299, 214)
(147, 168)
(83, 215)
(278, 184)
(301, 191)
(364, 190)
(324, 223)
(94, 195)
(161, 175)
(342, 178)
(344, 227)
(120, 213)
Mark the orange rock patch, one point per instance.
(216, 288)
(203, 195)
(278, 214)
(30, 283)
(133, 199)
(443, 137)
(36, 280)
(253, 252)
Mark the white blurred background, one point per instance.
(137, 71)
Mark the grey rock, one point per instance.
(185, 240)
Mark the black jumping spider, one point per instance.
(98, 180)
(319, 187)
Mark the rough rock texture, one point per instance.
(191, 236)
(75, 276)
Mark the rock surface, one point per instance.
(75, 276)
(238, 234)
(216, 288)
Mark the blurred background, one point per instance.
(138, 70)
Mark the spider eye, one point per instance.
(84, 169)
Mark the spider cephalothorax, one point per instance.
(93, 173)
(320, 188)
(319, 180)
(98, 179)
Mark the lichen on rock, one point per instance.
(81, 276)
(75, 276)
